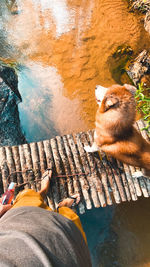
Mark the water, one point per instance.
(62, 49)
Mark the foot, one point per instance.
(45, 183)
(70, 201)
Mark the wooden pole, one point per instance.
(15, 150)
(36, 163)
(102, 171)
(4, 167)
(29, 165)
(76, 184)
(50, 164)
(23, 166)
(11, 164)
(91, 173)
(82, 180)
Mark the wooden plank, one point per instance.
(36, 164)
(135, 181)
(11, 164)
(1, 183)
(23, 166)
(29, 165)
(4, 167)
(143, 182)
(124, 180)
(117, 178)
(130, 182)
(16, 156)
(42, 157)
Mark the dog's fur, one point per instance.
(115, 133)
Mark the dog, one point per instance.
(115, 133)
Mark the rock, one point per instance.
(144, 7)
(147, 22)
(140, 68)
(10, 77)
(10, 128)
(141, 5)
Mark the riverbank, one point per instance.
(10, 130)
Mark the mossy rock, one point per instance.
(9, 75)
(118, 63)
(140, 5)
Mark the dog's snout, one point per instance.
(96, 87)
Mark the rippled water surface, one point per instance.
(62, 49)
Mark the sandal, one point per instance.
(47, 174)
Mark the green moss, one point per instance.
(143, 105)
(118, 62)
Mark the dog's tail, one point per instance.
(145, 160)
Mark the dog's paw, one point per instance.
(88, 149)
(138, 174)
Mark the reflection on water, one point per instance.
(119, 235)
(65, 48)
(44, 104)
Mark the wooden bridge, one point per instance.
(100, 180)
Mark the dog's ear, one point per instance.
(130, 88)
(110, 102)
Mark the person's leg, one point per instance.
(64, 208)
(29, 197)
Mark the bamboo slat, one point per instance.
(124, 180)
(16, 156)
(130, 182)
(4, 168)
(23, 166)
(35, 163)
(11, 164)
(1, 183)
(29, 165)
(135, 182)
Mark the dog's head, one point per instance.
(110, 97)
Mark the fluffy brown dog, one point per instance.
(115, 133)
